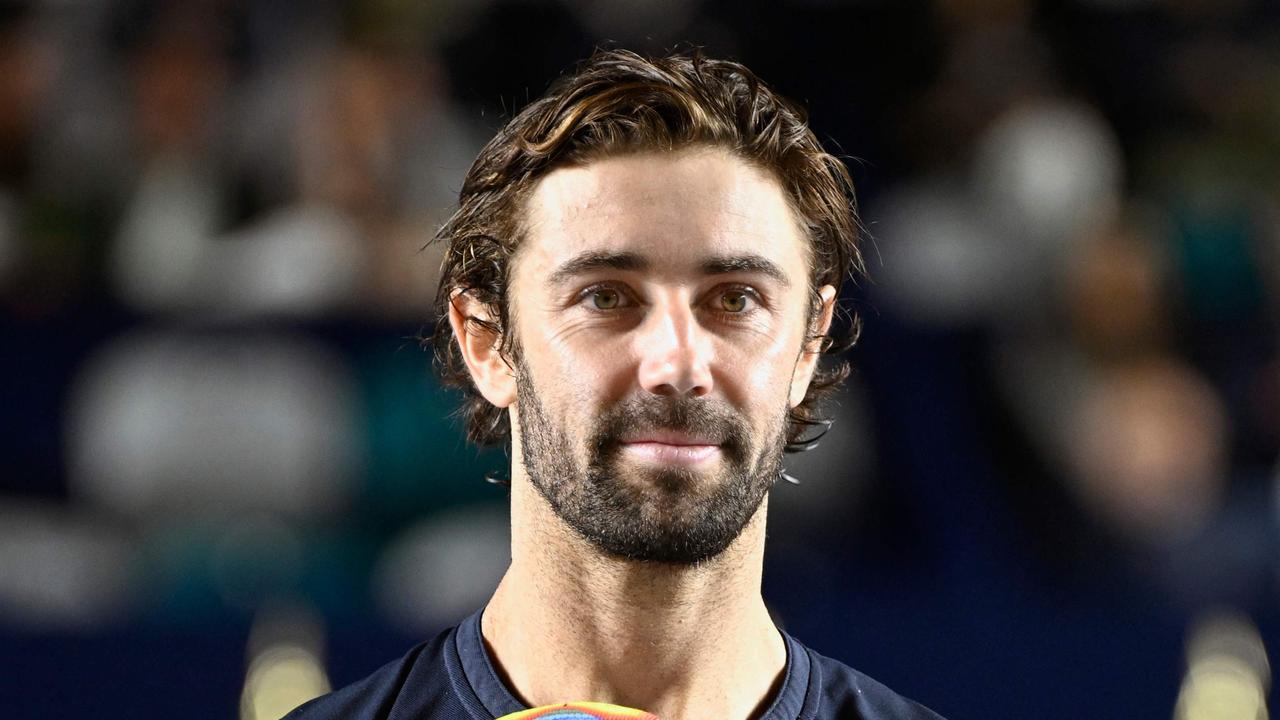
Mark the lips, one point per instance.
(671, 448)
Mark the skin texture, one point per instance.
(660, 303)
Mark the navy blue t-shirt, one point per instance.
(452, 678)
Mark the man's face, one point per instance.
(660, 304)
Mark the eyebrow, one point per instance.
(720, 265)
(591, 261)
(748, 263)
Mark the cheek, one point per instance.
(574, 374)
(760, 376)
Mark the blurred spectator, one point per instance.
(179, 83)
(375, 149)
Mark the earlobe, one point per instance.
(807, 363)
(492, 375)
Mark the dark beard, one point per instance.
(669, 516)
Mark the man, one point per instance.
(638, 284)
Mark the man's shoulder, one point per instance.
(419, 677)
(847, 693)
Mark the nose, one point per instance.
(675, 352)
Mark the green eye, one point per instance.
(733, 301)
(605, 299)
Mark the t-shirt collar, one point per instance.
(498, 699)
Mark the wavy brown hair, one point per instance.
(619, 102)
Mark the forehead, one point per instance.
(673, 208)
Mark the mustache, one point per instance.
(702, 418)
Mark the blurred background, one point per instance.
(228, 479)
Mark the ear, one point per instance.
(494, 378)
(812, 349)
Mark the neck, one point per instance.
(568, 623)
